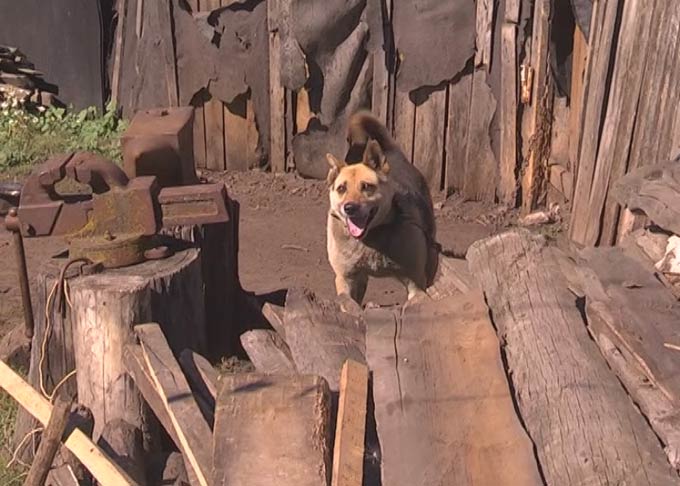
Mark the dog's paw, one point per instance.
(348, 305)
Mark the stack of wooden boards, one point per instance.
(526, 365)
(20, 81)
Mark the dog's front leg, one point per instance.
(354, 286)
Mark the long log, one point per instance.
(581, 420)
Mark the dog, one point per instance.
(381, 218)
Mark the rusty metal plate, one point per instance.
(111, 251)
(197, 204)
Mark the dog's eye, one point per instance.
(342, 188)
(368, 187)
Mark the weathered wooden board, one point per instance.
(240, 140)
(381, 56)
(594, 105)
(645, 312)
(507, 180)
(350, 431)
(453, 278)
(274, 314)
(578, 67)
(272, 430)
(187, 420)
(321, 336)
(277, 101)
(655, 190)
(428, 149)
(404, 122)
(268, 352)
(443, 406)
(619, 121)
(481, 168)
(484, 20)
(582, 422)
(460, 95)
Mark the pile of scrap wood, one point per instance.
(21, 83)
(524, 365)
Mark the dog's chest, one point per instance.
(355, 256)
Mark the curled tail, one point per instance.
(363, 125)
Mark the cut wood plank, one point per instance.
(268, 352)
(454, 278)
(272, 430)
(277, 97)
(655, 190)
(380, 95)
(645, 314)
(213, 110)
(600, 45)
(578, 67)
(101, 467)
(240, 143)
(404, 122)
(460, 95)
(50, 441)
(481, 168)
(121, 11)
(484, 19)
(199, 137)
(192, 430)
(428, 150)
(350, 431)
(539, 110)
(274, 314)
(567, 396)
(201, 374)
(303, 112)
(443, 407)
(321, 336)
(619, 121)
(507, 181)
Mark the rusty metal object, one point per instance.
(160, 143)
(9, 196)
(12, 224)
(111, 251)
(190, 204)
(158, 253)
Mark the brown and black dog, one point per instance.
(381, 220)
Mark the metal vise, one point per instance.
(112, 221)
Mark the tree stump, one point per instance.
(90, 336)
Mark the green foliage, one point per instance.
(28, 138)
(14, 475)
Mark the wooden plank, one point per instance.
(579, 58)
(350, 431)
(272, 430)
(404, 122)
(644, 314)
(654, 190)
(443, 407)
(274, 314)
(186, 418)
(121, 10)
(566, 394)
(303, 112)
(460, 95)
(321, 336)
(619, 121)
(381, 75)
(240, 134)
(539, 110)
(50, 441)
(484, 28)
(453, 278)
(597, 71)
(268, 352)
(101, 467)
(213, 114)
(199, 122)
(481, 168)
(200, 373)
(507, 183)
(277, 97)
(428, 150)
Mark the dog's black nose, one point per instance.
(351, 209)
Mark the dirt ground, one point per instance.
(282, 239)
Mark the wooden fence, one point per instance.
(499, 131)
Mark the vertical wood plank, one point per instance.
(460, 94)
(599, 52)
(404, 122)
(381, 75)
(303, 112)
(236, 143)
(277, 96)
(121, 7)
(578, 67)
(531, 180)
(199, 122)
(484, 17)
(428, 144)
(619, 121)
(214, 119)
(507, 183)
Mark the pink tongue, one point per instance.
(354, 230)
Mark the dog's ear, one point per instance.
(336, 164)
(374, 157)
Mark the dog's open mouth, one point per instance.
(358, 224)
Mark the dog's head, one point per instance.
(360, 195)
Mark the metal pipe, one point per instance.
(12, 224)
